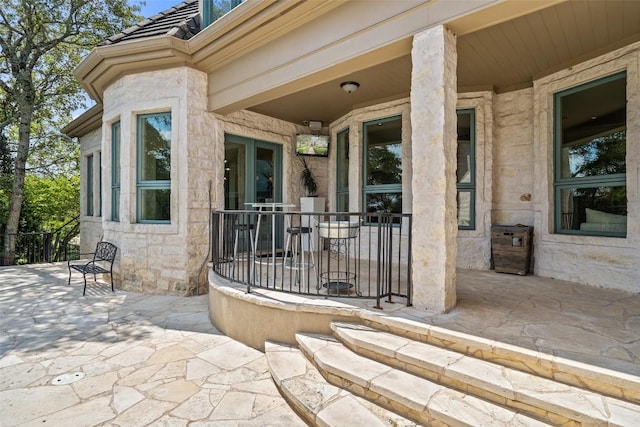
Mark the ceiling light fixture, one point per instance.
(349, 87)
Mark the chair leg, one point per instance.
(69, 282)
(112, 289)
(84, 275)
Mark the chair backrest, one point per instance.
(105, 251)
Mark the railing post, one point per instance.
(47, 239)
(379, 265)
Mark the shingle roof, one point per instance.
(181, 21)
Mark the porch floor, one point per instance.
(566, 319)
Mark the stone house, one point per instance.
(500, 112)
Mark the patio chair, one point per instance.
(100, 263)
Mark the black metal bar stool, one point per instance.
(242, 229)
(298, 252)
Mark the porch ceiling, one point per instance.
(506, 56)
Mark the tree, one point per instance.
(41, 42)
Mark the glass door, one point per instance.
(253, 174)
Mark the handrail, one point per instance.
(44, 246)
(332, 255)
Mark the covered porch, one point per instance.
(566, 320)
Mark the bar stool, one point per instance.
(237, 229)
(298, 256)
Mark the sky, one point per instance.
(151, 8)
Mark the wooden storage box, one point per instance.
(511, 249)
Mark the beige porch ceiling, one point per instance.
(505, 56)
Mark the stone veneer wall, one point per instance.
(513, 158)
(162, 258)
(90, 226)
(601, 261)
(171, 258)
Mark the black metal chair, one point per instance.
(104, 256)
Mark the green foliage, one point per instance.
(41, 43)
(50, 202)
(307, 178)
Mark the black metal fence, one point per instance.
(336, 254)
(46, 246)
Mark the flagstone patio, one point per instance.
(130, 359)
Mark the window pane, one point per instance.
(593, 130)
(155, 153)
(465, 201)
(384, 202)
(464, 147)
(265, 160)
(115, 153)
(235, 159)
(155, 205)
(100, 184)
(115, 204)
(601, 155)
(342, 160)
(89, 185)
(594, 209)
(383, 152)
(342, 202)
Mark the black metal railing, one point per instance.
(336, 254)
(45, 246)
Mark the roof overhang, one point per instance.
(105, 64)
(84, 123)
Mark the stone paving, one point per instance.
(122, 360)
(127, 359)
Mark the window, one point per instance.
(590, 195)
(90, 185)
(465, 174)
(342, 172)
(383, 165)
(212, 10)
(115, 171)
(154, 168)
(100, 183)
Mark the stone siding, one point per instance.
(601, 261)
(513, 158)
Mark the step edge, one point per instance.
(332, 374)
(499, 393)
(616, 384)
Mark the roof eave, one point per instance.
(107, 63)
(84, 123)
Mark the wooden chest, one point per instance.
(511, 248)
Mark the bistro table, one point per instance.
(271, 259)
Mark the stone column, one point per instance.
(433, 142)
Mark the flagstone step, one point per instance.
(317, 401)
(597, 379)
(538, 397)
(414, 397)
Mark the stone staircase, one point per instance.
(400, 373)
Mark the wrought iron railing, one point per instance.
(45, 246)
(337, 254)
